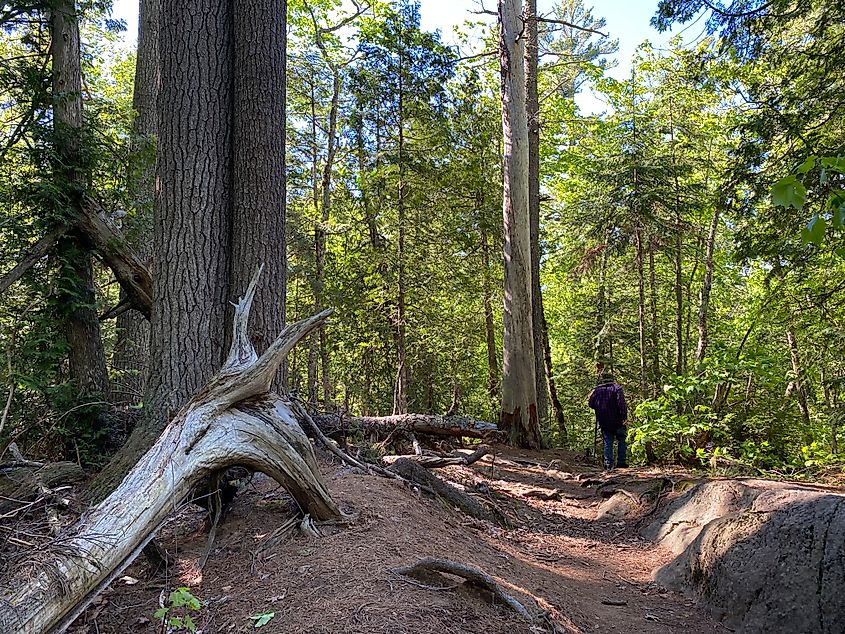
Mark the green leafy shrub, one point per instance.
(177, 614)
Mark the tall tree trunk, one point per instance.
(601, 350)
(532, 107)
(557, 407)
(132, 348)
(191, 258)
(654, 330)
(493, 372)
(400, 387)
(86, 356)
(798, 371)
(366, 207)
(639, 241)
(192, 230)
(678, 255)
(519, 387)
(641, 308)
(258, 226)
(320, 236)
(706, 286)
(314, 346)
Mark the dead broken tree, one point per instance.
(233, 420)
(438, 461)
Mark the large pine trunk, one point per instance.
(132, 349)
(258, 190)
(192, 219)
(193, 202)
(232, 420)
(519, 387)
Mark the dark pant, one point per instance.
(608, 437)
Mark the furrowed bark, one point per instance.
(132, 348)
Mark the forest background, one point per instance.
(690, 235)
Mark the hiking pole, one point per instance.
(596, 442)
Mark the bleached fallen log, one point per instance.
(233, 420)
(432, 424)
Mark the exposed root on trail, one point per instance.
(471, 575)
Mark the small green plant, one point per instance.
(177, 613)
(263, 618)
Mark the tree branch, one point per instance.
(577, 27)
(38, 251)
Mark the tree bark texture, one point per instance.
(532, 107)
(132, 348)
(493, 372)
(193, 202)
(219, 208)
(233, 420)
(519, 387)
(258, 214)
(77, 296)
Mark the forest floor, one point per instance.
(570, 556)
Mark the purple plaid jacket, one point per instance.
(608, 400)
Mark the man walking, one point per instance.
(608, 400)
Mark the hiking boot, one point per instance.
(622, 466)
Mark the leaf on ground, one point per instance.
(262, 619)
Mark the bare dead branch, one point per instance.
(35, 253)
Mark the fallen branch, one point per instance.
(132, 274)
(110, 245)
(309, 425)
(436, 462)
(413, 472)
(21, 482)
(35, 253)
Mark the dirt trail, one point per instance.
(564, 555)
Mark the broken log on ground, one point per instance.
(22, 483)
(233, 420)
(413, 472)
(438, 461)
(430, 424)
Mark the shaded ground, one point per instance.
(564, 555)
